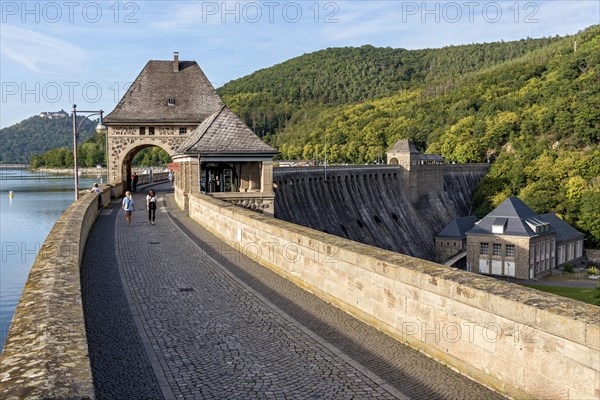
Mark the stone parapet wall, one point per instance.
(181, 198)
(519, 341)
(255, 201)
(144, 179)
(46, 353)
(592, 255)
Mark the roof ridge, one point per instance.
(210, 120)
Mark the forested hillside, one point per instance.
(530, 107)
(268, 98)
(36, 135)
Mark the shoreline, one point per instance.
(69, 171)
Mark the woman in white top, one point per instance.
(151, 205)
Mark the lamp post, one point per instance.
(100, 128)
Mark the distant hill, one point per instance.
(36, 135)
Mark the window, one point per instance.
(151, 130)
(142, 130)
(483, 248)
(182, 131)
(448, 244)
(510, 250)
(171, 102)
(497, 249)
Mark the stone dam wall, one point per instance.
(519, 341)
(369, 204)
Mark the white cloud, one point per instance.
(39, 52)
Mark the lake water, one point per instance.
(25, 221)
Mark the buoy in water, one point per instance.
(11, 194)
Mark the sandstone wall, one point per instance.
(522, 342)
(46, 353)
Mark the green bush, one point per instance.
(568, 267)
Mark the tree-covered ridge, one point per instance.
(268, 98)
(551, 92)
(36, 135)
(536, 117)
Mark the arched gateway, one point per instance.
(172, 105)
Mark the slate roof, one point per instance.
(431, 157)
(564, 231)
(516, 213)
(458, 227)
(403, 146)
(146, 99)
(223, 132)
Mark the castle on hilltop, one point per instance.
(54, 114)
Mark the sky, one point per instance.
(54, 54)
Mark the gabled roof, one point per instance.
(403, 146)
(517, 215)
(147, 97)
(564, 231)
(223, 132)
(458, 227)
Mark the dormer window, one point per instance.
(537, 225)
(499, 225)
(171, 102)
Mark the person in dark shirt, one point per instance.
(134, 181)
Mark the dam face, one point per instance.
(371, 204)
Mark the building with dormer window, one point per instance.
(514, 241)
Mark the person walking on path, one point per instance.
(151, 205)
(98, 192)
(171, 178)
(128, 207)
(134, 181)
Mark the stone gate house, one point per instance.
(514, 241)
(166, 102)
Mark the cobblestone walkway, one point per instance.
(173, 313)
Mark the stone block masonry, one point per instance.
(46, 353)
(521, 342)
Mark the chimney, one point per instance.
(175, 61)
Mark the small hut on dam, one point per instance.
(223, 158)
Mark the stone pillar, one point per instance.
(266, 178)
(194, 175)
(253, 180)
(245, 177)
(188, 178)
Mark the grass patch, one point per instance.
(582, 294)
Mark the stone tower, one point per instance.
(421, 173)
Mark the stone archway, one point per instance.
(124, 148)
